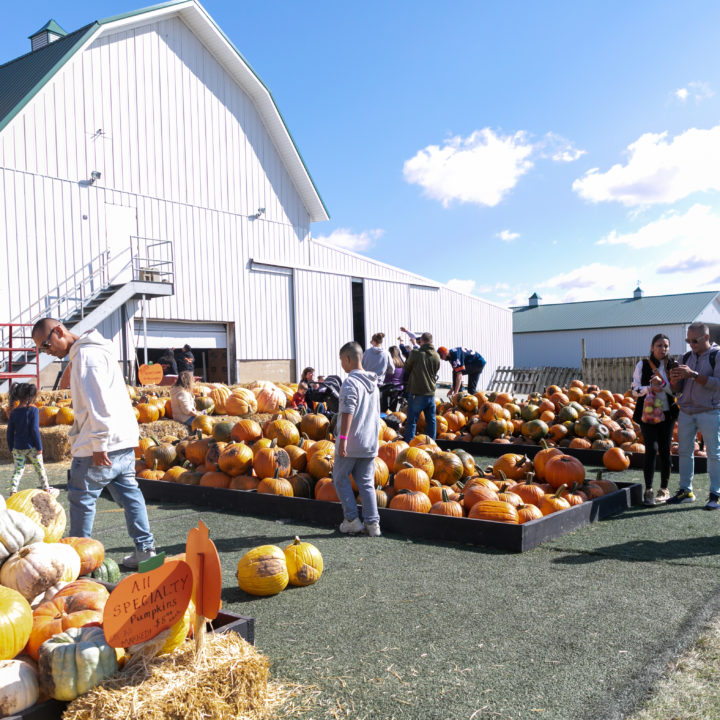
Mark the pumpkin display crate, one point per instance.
(224, 622)
(488, 533)
(587, 457)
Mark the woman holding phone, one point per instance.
(651, 387)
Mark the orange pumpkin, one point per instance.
(564, 470)
(540, 460)
(495, 510)
(417, 458)
(269, 459)
(448, 467)
(80, 609)
(412, 478)
(512, 466)
(215, 479)
(235, 458)
(555, 502)
(446, 506)
(325, 490)
(91, 552)
(616, 459)
(246, 431)
(275, 485)
(411, 500)
(527, 513)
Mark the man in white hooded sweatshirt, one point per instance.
(103, 435)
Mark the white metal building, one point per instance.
(555, 335)
(150, 187)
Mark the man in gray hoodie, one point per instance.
(376, 359)
(357, 442)
(103, 435)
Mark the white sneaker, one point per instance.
(372, 529)
(138, 556)
(51, 491)
(351, 527)
(649, 497)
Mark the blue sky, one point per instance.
(566, 148)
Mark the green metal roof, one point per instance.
(623, 312)
(22, 78)
(50, 26)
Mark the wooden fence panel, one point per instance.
(614, 374)
(524, 381)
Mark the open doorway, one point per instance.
(358, 311)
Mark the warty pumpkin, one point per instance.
(263, 571)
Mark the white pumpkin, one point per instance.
(73, 561)
(33, 570)
(17, 531)
(18, 686)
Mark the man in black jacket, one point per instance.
(185, 359)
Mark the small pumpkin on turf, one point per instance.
(304, 563)
(263, 571)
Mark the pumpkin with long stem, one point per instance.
(555, 502)
(446, 506)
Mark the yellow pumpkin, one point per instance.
(263, 571)
(304, 563)
(15, 622)
(42, 508)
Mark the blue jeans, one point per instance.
(363, 472)
(708, 423)
(416, 405)
(87, 482)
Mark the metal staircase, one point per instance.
(90, 295)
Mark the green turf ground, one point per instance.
(578, 628)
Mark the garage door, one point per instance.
(163, 334)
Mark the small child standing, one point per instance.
(357, 443)
(23, 436)
(182, 400)
(298, 399)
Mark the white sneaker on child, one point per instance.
(372, 529)
(51, 491)
(351, 527)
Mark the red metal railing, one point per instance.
(19, 341)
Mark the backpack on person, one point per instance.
(713, 358)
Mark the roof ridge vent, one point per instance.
(534, 300)
(48, 33)
(637, 293)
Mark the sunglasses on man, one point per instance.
(46, 345)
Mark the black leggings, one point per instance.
(657, 439)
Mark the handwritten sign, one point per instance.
(150, 374)
(144, 604)
(202, 556)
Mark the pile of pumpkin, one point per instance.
(292, 455)
(580, 416)
(260, 396)
(50, 642)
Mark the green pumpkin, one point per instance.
(535, 430)
(74, 662)
(221, 431)
(107, 572)
(205, 402)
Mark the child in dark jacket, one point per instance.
(23, 436)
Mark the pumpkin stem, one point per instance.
(560, 491)
(445, 496)
(530, 479)
(296, 541)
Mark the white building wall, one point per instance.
(711, 314)
(184, 148)
(564, 348)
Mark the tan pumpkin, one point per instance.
(270, 400)
(241, 402)
(32, 570)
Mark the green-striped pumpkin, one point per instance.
(107, 572)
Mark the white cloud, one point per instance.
(699, 91)
(698, 228)
(560, 149)
(658, 170)
(463, 286)
(344, 238)
(481, 168)
(507, 236)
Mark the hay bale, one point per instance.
(55, 441)
(228, 680)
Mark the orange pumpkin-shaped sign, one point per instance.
(150, 374)
(144, 604)
(202, 556)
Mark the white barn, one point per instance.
(555, 335)
(149, 187)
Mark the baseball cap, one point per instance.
(442, 350)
